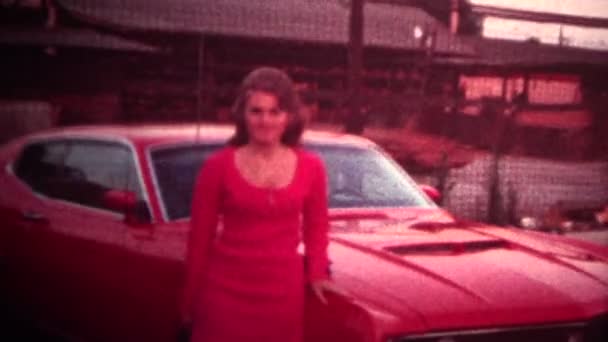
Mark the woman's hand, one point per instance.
(319, 287)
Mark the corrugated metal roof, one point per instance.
(505, 52)
(71, 38)
(319, 21)
(508, 53)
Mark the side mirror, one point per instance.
(125, 201)
(120, 200)
(432, 192)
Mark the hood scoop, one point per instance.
(447, 248)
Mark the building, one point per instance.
(105, 61)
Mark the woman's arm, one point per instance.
(203, 226)
(316, 224)
(316, 239)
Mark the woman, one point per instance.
(246, 280)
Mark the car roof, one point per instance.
(145, 135)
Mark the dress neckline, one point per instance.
(265, 188)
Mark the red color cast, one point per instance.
(246, 279)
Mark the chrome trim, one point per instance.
(9, 168)
(157, 190)
(92, 138)
(202, 141)
(44, 197)
(406, 175)
(106, 212)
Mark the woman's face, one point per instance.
(265, 121)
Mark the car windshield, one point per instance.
(358, 177)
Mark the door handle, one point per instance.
(33, 216)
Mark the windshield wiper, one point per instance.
(435, 226)
(447, 247)
(357, 215)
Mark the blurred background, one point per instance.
(500, 105)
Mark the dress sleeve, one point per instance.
(316, 224)
(203, 226)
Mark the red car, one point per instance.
(94, 222)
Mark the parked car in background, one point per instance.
(95, 222)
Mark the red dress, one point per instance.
(246, 279)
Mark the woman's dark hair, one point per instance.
(279, 84)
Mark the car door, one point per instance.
(157, 263)
(26, 226)
(79, 261)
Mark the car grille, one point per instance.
(595, 330)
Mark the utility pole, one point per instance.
(355, 122)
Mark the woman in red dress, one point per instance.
(254, 201)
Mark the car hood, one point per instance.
(439, 274)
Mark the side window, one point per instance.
(106, 165)
(40, 164)
(95, 168)
(176, 169)
(83, 171)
